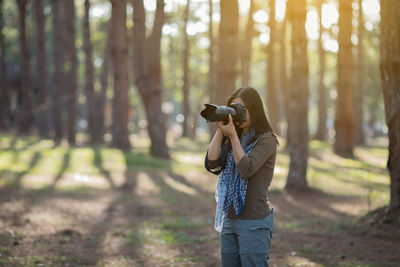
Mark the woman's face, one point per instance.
(247, 123)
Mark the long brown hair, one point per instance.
(254, 105)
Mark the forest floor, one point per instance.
(97, 206)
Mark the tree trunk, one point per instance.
(185, 89)
(322, 105)
(196, 116)
(297, 177)
(25, 115)
(90, 97)
(212, 128)
(147, 67)
(156, 125)
(390, 74)
(228, 54)
(44, 102)
(272, 93)
(284, 78)
(100, 98)
(373, 110)
(119, 52)
(246, 47)
(59, 87)
(70, 68)
(4, 100)
(344, 116)
(359, 92)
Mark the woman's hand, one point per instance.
(228, 129)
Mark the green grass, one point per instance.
(31, 156)
(134, 236)
(188, 259)
(23, 158)
(4, 262)
(365, 176)
(169, 231)
(182, 223)
(153, 234)
(4, 250)
(4, 238)
(346, 264)
(32, 162)
(318, 225)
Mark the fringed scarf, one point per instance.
(231, 187)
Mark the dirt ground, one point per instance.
(156, 219)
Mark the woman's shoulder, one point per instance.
(266, 135)
(267, 138)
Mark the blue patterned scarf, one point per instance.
(231, 187)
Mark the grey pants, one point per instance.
(245, 243)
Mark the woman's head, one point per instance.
(256, 118)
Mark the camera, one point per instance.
(214, 113)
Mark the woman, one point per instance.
(244, 156)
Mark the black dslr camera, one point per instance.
(214, 113)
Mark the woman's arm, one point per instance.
(230, 131)
(265, 147)
(214, 149)
(249, 165)
(213, 157)
(237, 148)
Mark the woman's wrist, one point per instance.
(214, 149)
(219, 134)
(238, 152)
(232, 134)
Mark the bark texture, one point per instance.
(321, 133)
(4, 99)
(70, 68)
(119, 52)
(44, 101)
(272, 92)
(344, 115)
(25, 115)
(359, 92)
(211, 72)
(147, 68)
(89, 86)
(246, 47)
(227, 54)
(186, 85)
(297, 177)
(284, 80)
(58, 54)
(390, 74)
(101, 97)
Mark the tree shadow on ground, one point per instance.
(174, 226)
(359, 182)
(28, 142)
(16, 177)
(187, 217)
(203, 194)
(106, 235)
(13, 190)
(309, 225)
(77, 243)
(117, 232)
(65, 164)
(98, 162)
(66, 244)
(89, 247)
